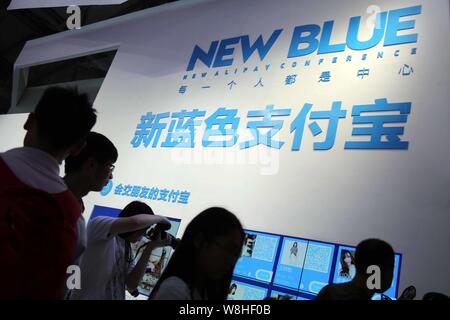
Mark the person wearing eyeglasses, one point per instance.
(89, 170)
(109, 268)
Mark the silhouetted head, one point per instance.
(210, 247)
(60, 123)
(132, 209)
(375, 252)
(94, 163)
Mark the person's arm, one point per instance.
(137, 222)
(137, 273)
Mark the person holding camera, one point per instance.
(107, 266)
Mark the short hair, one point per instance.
(374, 252)
(132, 209)
(64, 117)
(98, 147)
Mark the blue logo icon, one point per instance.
(107, 189)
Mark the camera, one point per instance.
(160, 230)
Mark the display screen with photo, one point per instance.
(345, 270)
(258, 256)
(157, 262)
(317, 266)
(302, 267)
(290, 264)
(345, 265)
(269, 263)
(244, 291)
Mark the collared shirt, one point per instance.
(35, 168)
(104, 264)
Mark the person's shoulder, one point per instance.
(174, 281)
(323, 293)
(99, 227)
(328, 292)
(173, 288)
(35, 168)
(10, 152)
(14, 156)
(100, 220)
(5, 160)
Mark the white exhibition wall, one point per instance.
(336, 195)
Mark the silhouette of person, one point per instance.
(89, 170)
(107, 265)
(202, 265)
(370, 252)
(45, 210)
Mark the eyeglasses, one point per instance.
(110, 167)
